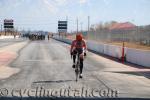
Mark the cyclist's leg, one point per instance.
(81, 65)
(74, 58)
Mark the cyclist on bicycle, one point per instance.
(78, 46)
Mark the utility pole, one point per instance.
(88, 27)
(67, 25)
(66, 18)
(77, 25)
(1, 27)
(81, 26)
(1, 30)
(88, 23)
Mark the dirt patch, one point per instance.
(131, 45)
(7, 55)
(6, 71)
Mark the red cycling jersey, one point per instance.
(78, 44)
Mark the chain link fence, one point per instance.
(138, 35)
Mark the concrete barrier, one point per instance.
(95, 46)
(140, 57)
(111, 50)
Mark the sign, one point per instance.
(8, 24)
(8, 21)
(62, 26)
(84, 33)
(62, 30)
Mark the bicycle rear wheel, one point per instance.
(77, 74)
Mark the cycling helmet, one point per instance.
(79, 37)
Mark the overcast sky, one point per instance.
(44, 14)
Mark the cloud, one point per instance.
(18, 3)
(106, 2)
(54, 5)
(82, 1)
(61, 2)
(7, 6)
(50, 5)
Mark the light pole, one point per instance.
(87, 36)
(81, 26)
(67, 25)
(1, 28)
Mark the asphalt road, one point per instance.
(47, 65)
(6, 42)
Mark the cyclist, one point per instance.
(78, 46)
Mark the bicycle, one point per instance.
(77, 66)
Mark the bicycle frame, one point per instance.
(77, 66)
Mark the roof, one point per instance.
(122, 26)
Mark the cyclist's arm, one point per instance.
(84, 45)
(72, 45)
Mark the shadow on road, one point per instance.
(58, 81)
(145, 74)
